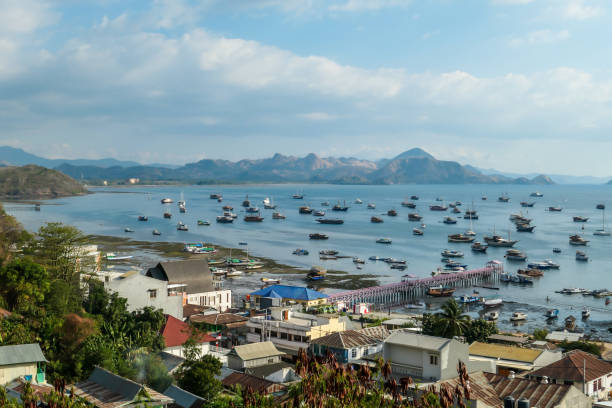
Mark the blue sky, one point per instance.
(518, 85)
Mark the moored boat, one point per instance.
(203, 222)
(478, 247)
(527, 204)
(223, 219)
(515, 255)
(318, 236)
(492, 302)
(536, 194)
(246, 203)
(253, 218)
(532, 273)
(552, 313)
(438, 207)
(371, 206)
(460, 238)
(271, 281)
(376, 220)
(579, 218)
(383, 241)
(143, 218)
(498, 241)
(492, 316)
(555, 209)
(449, 253)
(300, 251)
(524, 228)
(518, 316)
(167, 200)
(449, 220)
(577, 240)
(305, 210)
(581, 256)
(333, 221)
(416, 231)
(440, 291)
(156, 232)
(414, 217)
(392, 213)
(340, 207)
(127, 229)
(278, 216)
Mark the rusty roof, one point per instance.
(480, 389)
(378, 332)
(224, 319)
(539, 395)
(499, 351)
(177, 332)
(571, 367)
(258, 385)
(345, 340)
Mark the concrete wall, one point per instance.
(178, 350)
(138, 290)
(236, 363)
(12, 372)
(219, 299)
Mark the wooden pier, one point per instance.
(401, 293)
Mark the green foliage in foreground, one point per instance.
(451, 322)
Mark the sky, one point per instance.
(515, 85)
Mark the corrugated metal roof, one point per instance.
(508, 339)
(258, 385)
(289, 292)
(539, 395)
(345, 340)
(564, 335)
(254, 351)
(480, 389)
(500, 351)
(219, 319)
(266, 370)
(571, 367)
(194, 273)
(419, 341)
(21, 354)
(378, 332)
(183, 398)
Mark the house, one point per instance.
(292, 330)
(193, 277)
(348, 346)
(22, 360)
(511, 358)
(280, 372)
(258, 385)
(183, 399)
(232, 327)
(509, 340)
(143, 291)
(428, 358)
(559, 336)
(295, 294)
(195, 310)
(171, 362)
(16, 388)
(104, 389)
(176, 332)
(253, 355)
(586, 372)
(539, 394)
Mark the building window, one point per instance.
(283, 336)
(599, 384)
(270, 361)
(365, 351)
(354, 353)
(257, 330)
(152, 293)
(433, 359)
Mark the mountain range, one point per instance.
(414, 166)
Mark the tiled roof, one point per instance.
(104, 389)
(223, 319)
(539, 395)
(258, 385)
(378, 332)
(480, 389)
(176, 333)
(571, 367)
(254, 351)
(419, 341)
(190, 310)
(345, 340)
(499, 351)
(21, 354)
(289, 292)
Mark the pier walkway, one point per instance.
(402, 292)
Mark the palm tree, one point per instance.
(452, 320)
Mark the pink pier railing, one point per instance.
(401, 292)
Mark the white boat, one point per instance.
(232, 274)
(358, 260)
(266, 201)
(491, 316)
(415, 305)
(278, 216)
(111, 256)
(518, 316)
(581, 256)
(602, 232)
(586, 313)
(492, 302)
(358, 201)
(167, 200)
(371, 206)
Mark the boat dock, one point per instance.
(400, 293)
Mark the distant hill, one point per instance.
(36, 182)
(414, 166)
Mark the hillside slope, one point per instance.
(35, 182)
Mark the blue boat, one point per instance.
(552, 313)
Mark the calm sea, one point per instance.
(109, 211)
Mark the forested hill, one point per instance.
(35, 182)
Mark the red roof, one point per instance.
(177, 332)
(571, 367)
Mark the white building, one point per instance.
(349, 346)
(193, 277)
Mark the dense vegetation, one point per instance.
(35, 182)
(451, 322)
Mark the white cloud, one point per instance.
(512, 2)
(579, 10)
(25, 16)
(360, 5)
(540, 37)
(317, 116)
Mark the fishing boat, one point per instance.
(305, 210)
(515, 255)
(532, 273)
(300, 251)
(527, 204)
(570, 322)
(440, 291)
(437, 207)
(167, 200)
(577, 240)
(392, 213)
(181, 227)
(333, 221)
(143, 218)
(383, 241)
(358, 260)
(497, 241)
(223, 219)
(414, 217)
(503, 198)
(318, 213)
(340, 207)
(271, 281)
(253, 217)
(278, 216)
(252, 210)
(451, 253)
(478, 247)
(358, 201)
(246, 202)
(524, 228)
(470, 215)
(203, 222)
(460, 238)
(128, 229)
(555, 209)
(581, 256)
(318, 236)
(376, 220)
(168, 214)
(491, 316)
(552, 313)
(518, 316)
(536, 194)
(408, 204)
(579, 218)
(297, 196)
(416, 231)
(600, 206)
(371, 206)
(449, 220)
(586, 313)
(156, 232)
(492, 302)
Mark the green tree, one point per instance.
(58, 248)
(581, 345)
(150, 370)
(198, 377)
(480, 330)
(452, 321)
(540, 334)
(24, 284)
(431, 324)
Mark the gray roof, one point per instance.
(21, 354)
(171, 361)
(183, 398)
(266, 370)
(419, 341)
(194, 273)
(255, 351)
(347, 339)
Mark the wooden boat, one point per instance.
(278, 216)
(414, 217)
(246, 203)
(318, 236)
(416, 231)
(167, 214)
(570, 322)
(339, 207)
(478, 247)
(376, 220)
(532, 273)
(515, 255)
(438, 207)
(333, 221)
(577, 240)
(392, 213)
(440, 291)
(497, 241)
(460, 238)
(228, 208)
